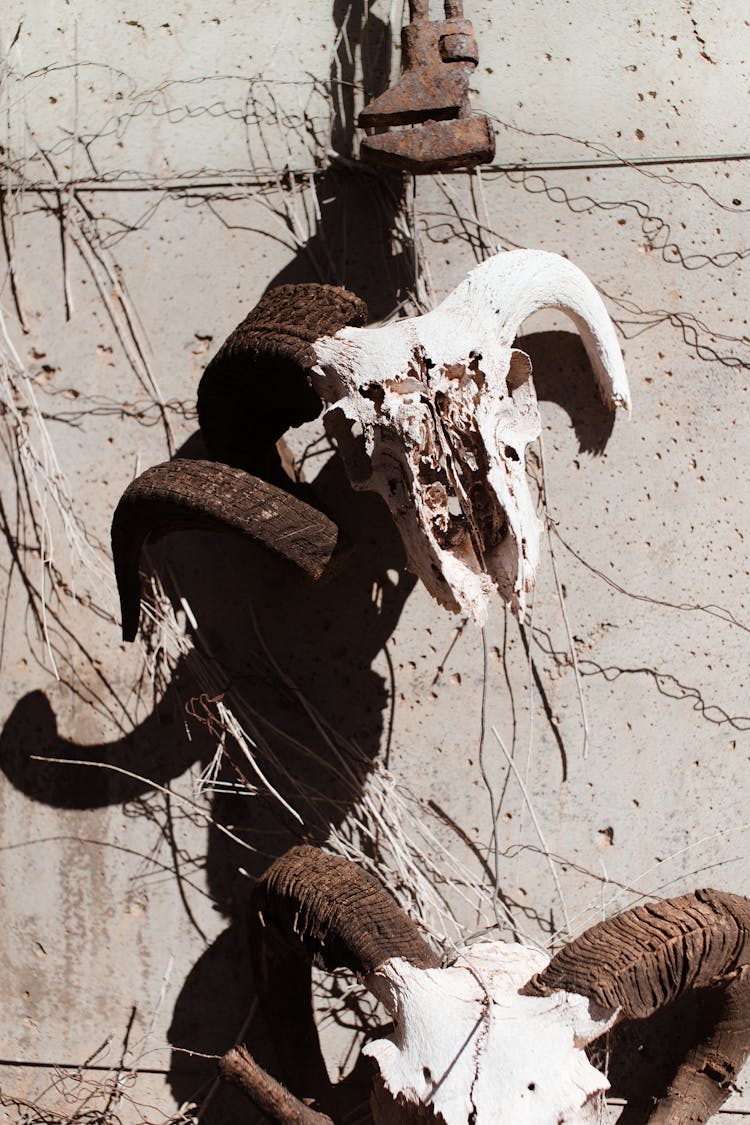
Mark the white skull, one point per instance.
(469, 1047)
(435, 413)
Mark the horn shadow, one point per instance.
(562, 374)
(157, 750)
(325, 638)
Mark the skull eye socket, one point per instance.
(511, 453)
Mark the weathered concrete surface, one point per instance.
(124, 904)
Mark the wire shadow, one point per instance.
(326, 636)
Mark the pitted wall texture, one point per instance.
(161, 169)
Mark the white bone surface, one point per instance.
(435, 413)
(92, 930)
(470, 1047)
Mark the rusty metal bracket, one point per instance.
(431, 98)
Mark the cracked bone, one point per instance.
(436, 412)
(469, 1047)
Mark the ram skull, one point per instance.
(434, 412)
(498, 1036)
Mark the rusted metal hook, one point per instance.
(431, 98)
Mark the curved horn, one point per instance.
(256, 385)
(643, 959)
(313, 906)
(490, 306)
(203, 494)
(338, 913)
(517, 283)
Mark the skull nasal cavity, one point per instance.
(511, 453)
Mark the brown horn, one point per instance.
(338, 913)
(255, 388)
(186, 494)
(645, 958)
(313, 906)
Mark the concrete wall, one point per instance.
(162, 169)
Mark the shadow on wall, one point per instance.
(562, 374)
(642, 1056)
(325, 636)
(357, 243)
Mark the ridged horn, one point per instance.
(185, 494)
(311, 906)
(339, 914)
(255, 387)
(645, 958)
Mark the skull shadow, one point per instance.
(326, 636)
(356, 243)
(562, 374)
